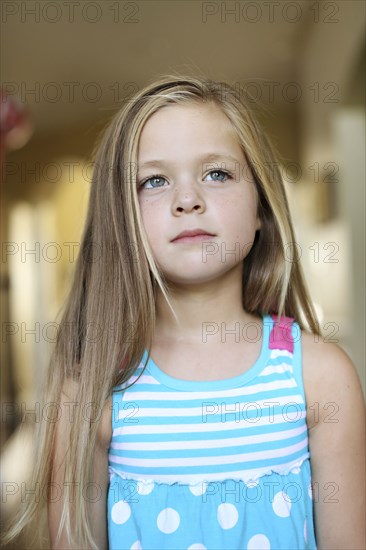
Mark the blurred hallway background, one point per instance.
(68, 66)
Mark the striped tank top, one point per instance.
(216, 465)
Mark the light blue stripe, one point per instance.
(211, 469)
(149, 438)
(271, 396)
(219, 451)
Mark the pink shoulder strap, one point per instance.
(281, 336)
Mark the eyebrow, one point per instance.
(212, 157)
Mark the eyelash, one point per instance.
(225, 172)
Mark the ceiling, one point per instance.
(74, 62)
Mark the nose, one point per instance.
(187, 198)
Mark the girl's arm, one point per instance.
(98, 509)
(336, 420)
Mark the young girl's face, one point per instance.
(192, 174)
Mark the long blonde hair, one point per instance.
(116, 279)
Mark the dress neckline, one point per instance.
(226, 383)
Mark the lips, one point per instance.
(193, 233)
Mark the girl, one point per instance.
(200, 406)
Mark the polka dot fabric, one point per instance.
(274, 512)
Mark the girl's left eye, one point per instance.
(226, 175)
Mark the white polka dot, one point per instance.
(310, 491)
(168, 520)
(136, 545)
(145, 488)
(120, 513)
(227, 515)
(199, 489)
(305, 532)
(197, 546)
(259, 542)
(281, 504)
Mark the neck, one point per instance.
(203, 310)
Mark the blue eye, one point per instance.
(153, 179)
(226, 175)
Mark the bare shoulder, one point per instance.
(328, 372)
(326, 362)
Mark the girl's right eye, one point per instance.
(153, 181)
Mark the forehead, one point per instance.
(190, 125)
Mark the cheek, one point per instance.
(152, 223)
(147, 212)
(238, 215)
